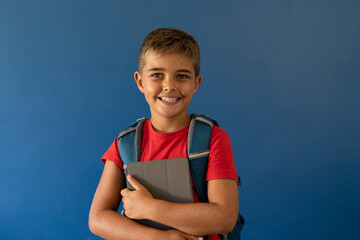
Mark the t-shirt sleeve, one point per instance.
(112, 154)
(221, 159)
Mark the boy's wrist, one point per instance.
(153, 234)
(156, 234)
(165, 235)
(153, 209)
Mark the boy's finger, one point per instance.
(134, 182)
(124, 192)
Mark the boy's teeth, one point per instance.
(165, 99)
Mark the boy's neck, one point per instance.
(168, 125)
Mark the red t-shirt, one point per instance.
(157, 146)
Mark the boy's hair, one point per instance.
(168, 40)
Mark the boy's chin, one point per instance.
(172, 114)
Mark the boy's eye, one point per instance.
(157, 75)
(182, 76)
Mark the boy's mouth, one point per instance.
(169, 99)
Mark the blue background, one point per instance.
(282, 77)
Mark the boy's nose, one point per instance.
(169, 85)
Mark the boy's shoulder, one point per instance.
(218, 131)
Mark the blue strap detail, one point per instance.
(130, 142)
(127, 150)
(198, 174)
(199, 137)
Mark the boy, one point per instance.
(168, 76)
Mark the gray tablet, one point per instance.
(167, 179)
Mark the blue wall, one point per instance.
(282, 77)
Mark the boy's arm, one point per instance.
(217, 216)
(105, 221)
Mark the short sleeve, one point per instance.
(112, 154)
(221, 159)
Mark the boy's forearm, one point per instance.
(194, 218)
(110, 224)
(217, 216)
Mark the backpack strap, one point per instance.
(198, 150)
(130, 137)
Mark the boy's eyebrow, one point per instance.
(162, 69)
(156, 69)
(184, 70)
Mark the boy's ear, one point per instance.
(139, 81)
(197, 82)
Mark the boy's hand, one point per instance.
(137, 202)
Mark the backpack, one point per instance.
(198, 145)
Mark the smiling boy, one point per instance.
(168, 76)
(168, 83)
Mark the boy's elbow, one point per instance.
(229, 226)
(93, 222)
(229, 222)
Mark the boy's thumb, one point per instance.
(134, 182)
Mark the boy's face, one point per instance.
(168, 83)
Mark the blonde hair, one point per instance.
(168, 40)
